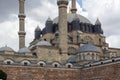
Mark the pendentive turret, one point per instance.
(73, 9)
(49, 26)
(21, 32)
(63, 42)
(98, 28)
(76, 24)
(97, 22)
(37, 32)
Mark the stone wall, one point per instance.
(32, 73)
(104, 72)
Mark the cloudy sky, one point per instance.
(37, 11)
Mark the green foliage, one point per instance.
(3, 75)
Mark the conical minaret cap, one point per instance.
(49, 19)
(37, 28)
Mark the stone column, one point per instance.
(73, 9)
(63, 42)
(21, 17)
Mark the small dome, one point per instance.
(6, 48)
(88, 48)
(71, 17)
(72, 59)
(24, 50)
(43, 43)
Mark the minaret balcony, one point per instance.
(59, 2)
(22, 33)
(21, 15)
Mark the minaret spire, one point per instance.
(21, 17)
(63, 43)
(73, 9)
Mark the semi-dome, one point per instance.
(24, 50)
(72, 59)
(6, 48)
(43, 43)
(71, 17)
(88, 48)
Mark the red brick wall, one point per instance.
(108, 72)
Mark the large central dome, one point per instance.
(71, 17)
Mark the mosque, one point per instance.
(68, 41)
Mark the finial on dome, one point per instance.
(97, 22)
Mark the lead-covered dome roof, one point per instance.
(6, 48)
(88, 48)
(43, 43)
(72, 59)
(24, 50)
(71, 17)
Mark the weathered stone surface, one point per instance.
(106, 72)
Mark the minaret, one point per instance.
(63, 42)
(73, 9)
(21, 32)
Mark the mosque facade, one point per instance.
(68, 42)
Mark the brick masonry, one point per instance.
(106, 72)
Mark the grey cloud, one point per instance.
(7, 7)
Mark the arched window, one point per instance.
(87, 56)
(34, 54)
(71, 50)
(84, 57)
(41, 64)
(69, 65)
(25, 62)
(55, 64)
(3, 75)
(88, 39)
(8, 61)
(100, 41)
(93, 56)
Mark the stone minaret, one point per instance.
(73, 9)
(21, 32)
(63, 42)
